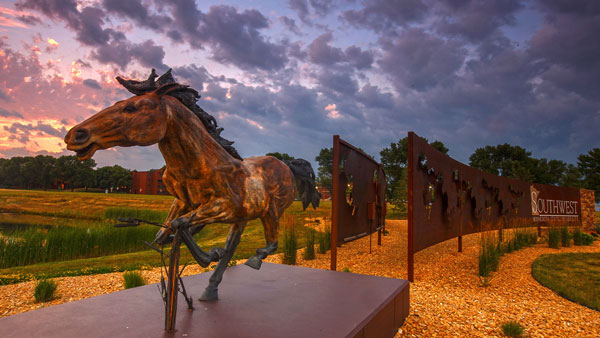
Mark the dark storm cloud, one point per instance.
(290, 24)
(122, 52)
(474, 19)
(233, 36)
(87, 24)
(4, 96)
(135, 10)
(322, 53)
(92, 83)
(419, 60)
(29, 19)
(6, 113)
(381, 15)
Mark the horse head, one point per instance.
(138, 121)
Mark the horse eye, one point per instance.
(130, 109)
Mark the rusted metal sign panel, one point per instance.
(358, 200)
(448, 199)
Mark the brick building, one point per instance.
(148, 183)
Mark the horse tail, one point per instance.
(305, 178)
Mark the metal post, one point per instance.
(410, 265)
(335, 201)
(172, 287)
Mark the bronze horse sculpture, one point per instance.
(205, 174)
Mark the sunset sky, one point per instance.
(286, 75)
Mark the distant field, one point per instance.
(50, 232)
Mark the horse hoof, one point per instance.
(209, 295)
(216, 254)
(254, 262)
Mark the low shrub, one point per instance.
(565, 237)
(309, 237)
(581, 238)
(133, 279)
(346, 269)
(512, 329)
(554, 237)
(597, 228)
(290, 245)
(44, 290)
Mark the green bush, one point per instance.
(346, 269)
(512, 329)
(290, 245)
(133, 279)
(581, 238)
(309, 252)
(324, 239)
(554, 237)
(565, 237)
(44, 290)
(597, 228)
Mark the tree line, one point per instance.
(45, 172)
(502, 160)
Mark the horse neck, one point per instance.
(188, 148)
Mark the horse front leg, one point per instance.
(233, 239)
(178, 208)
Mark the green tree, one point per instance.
(589, 166)
(504, 160)
(280, 156)
(324, 173)
(115, 176)
(571, 177)
(394, 160)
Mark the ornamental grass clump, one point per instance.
(309, 238)
(489, 256)
(512, 329)
(44, 290)
(324, 240)
(290, 243)
(565, 237)
(554, 237)
(133, 279)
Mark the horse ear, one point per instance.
(167, 88)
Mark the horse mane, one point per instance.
(188, 97)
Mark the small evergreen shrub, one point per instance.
(290, 244)
(554, 237)
(346, 269)
(133, 279)
(565, 237)
(309, 252)
(44, 290)
(512, 329)
(581, 238)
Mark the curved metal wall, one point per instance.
(448, 199)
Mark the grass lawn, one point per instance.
(79, 209)
(574, 276)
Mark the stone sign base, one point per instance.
(277, 301)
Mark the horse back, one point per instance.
(277, 179)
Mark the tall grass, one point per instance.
(309, 240)
(489, 255)
(35, 245)
(290, 242)
(145, 214)
(565, 236)
(324, 240)
(554, 237)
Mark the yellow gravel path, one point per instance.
(447, 299)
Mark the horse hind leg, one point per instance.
(233, 239)
(270, 224)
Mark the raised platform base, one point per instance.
(277, 301)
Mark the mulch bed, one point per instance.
(447, 299)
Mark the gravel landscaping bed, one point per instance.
(447, 299)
